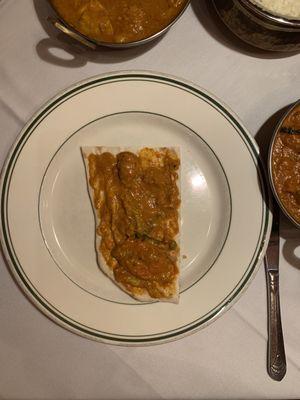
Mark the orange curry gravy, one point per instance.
(137, 199)
(286, 164)
(118, 21)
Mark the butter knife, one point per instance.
(276, 360)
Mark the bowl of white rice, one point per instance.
(272, 25)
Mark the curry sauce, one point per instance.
(286, 163)
(118, 21)
(137, 200)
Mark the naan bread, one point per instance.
(169, 291)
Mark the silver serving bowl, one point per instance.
(258, 27)
(265, 16)
(64, 27)
(270, 168)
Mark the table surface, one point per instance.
(40, 360)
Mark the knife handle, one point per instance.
(276, 354)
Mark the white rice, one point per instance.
(283, 8)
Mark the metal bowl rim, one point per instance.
(127, 44)
(282, 21)
(270, 169)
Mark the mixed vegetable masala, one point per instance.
(137, 198)
(286, 163)
(118, 21)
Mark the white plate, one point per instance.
(48, 225)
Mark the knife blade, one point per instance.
(276, 360)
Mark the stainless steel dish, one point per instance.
(258, 27)
(64, 27)
(270, 165)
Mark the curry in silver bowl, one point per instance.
(118, 23)
(284, 164)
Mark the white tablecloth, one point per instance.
(40, 360)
